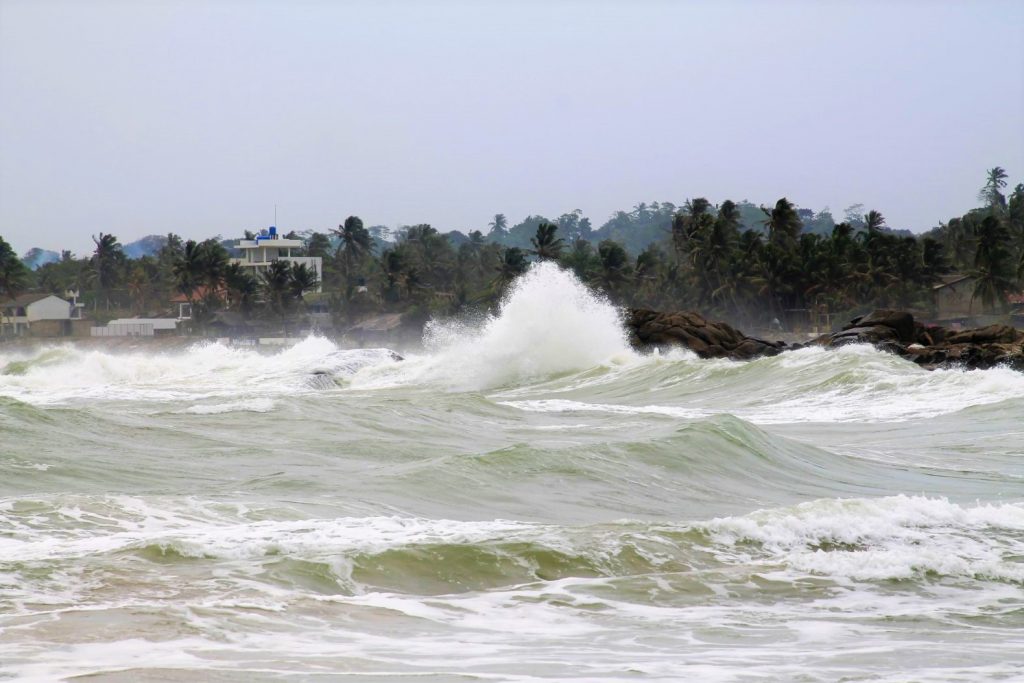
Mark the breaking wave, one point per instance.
(548, 324)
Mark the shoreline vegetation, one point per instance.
(776, 270)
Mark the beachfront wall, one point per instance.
(50, 328)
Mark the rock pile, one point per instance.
(932, 346)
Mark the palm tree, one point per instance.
(874, 222)
(213, 262)
(318, 244)
(512, 265)
(138, 283)
(991, 192)
(649, 269)
(275, 283)
(355, 244)
(105, 260)
(993, 269)
(713, 253)
(581, 259)
(168, 255)
(301, 279)
(545, 245)
(393, 266)
(783, 224)
(689, 228)
(188, 270)
(499, 226)
(241, 287)
(615, 270)
(472, 265)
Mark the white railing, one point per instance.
(123, 330)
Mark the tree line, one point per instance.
(731, 260)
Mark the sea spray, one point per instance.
(547, 324)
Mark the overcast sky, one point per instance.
(141, 117)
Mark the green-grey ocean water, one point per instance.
(525, 500)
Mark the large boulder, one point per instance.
(901, 322)
(867, 334)
(990, 334)
(706, 338)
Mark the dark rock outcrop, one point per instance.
(932, 346)
(708, 339)
(896, 332)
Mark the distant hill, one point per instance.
(147, 246)
(37, 257)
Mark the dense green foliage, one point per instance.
(733, 260)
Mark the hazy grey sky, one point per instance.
(140, 117)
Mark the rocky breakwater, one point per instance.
(708, 339)
(932, 346)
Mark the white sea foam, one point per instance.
(132, 523)
(566, 406)
(898, 537)
(860, 383)
(253, 405)
(206, 370)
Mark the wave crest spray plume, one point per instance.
(548, 323)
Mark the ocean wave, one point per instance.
(862, 539)
(894, 538)
(850, 384)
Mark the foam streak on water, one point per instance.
(526, 499)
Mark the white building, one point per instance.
(50, 314)
(268, 247)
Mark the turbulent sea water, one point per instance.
(527, 499)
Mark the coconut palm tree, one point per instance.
(301, 279)
(106, 259)
(993, 268)
(355, 243)
(138, 284)
(615, 270)
(241, 287)
(512, 265)
(992, 191)
(188, 270)
(545, 245)
(581, 259)
(499, 226)
(213, 261)
(783, 224)
(275, 283)
(874, 222)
